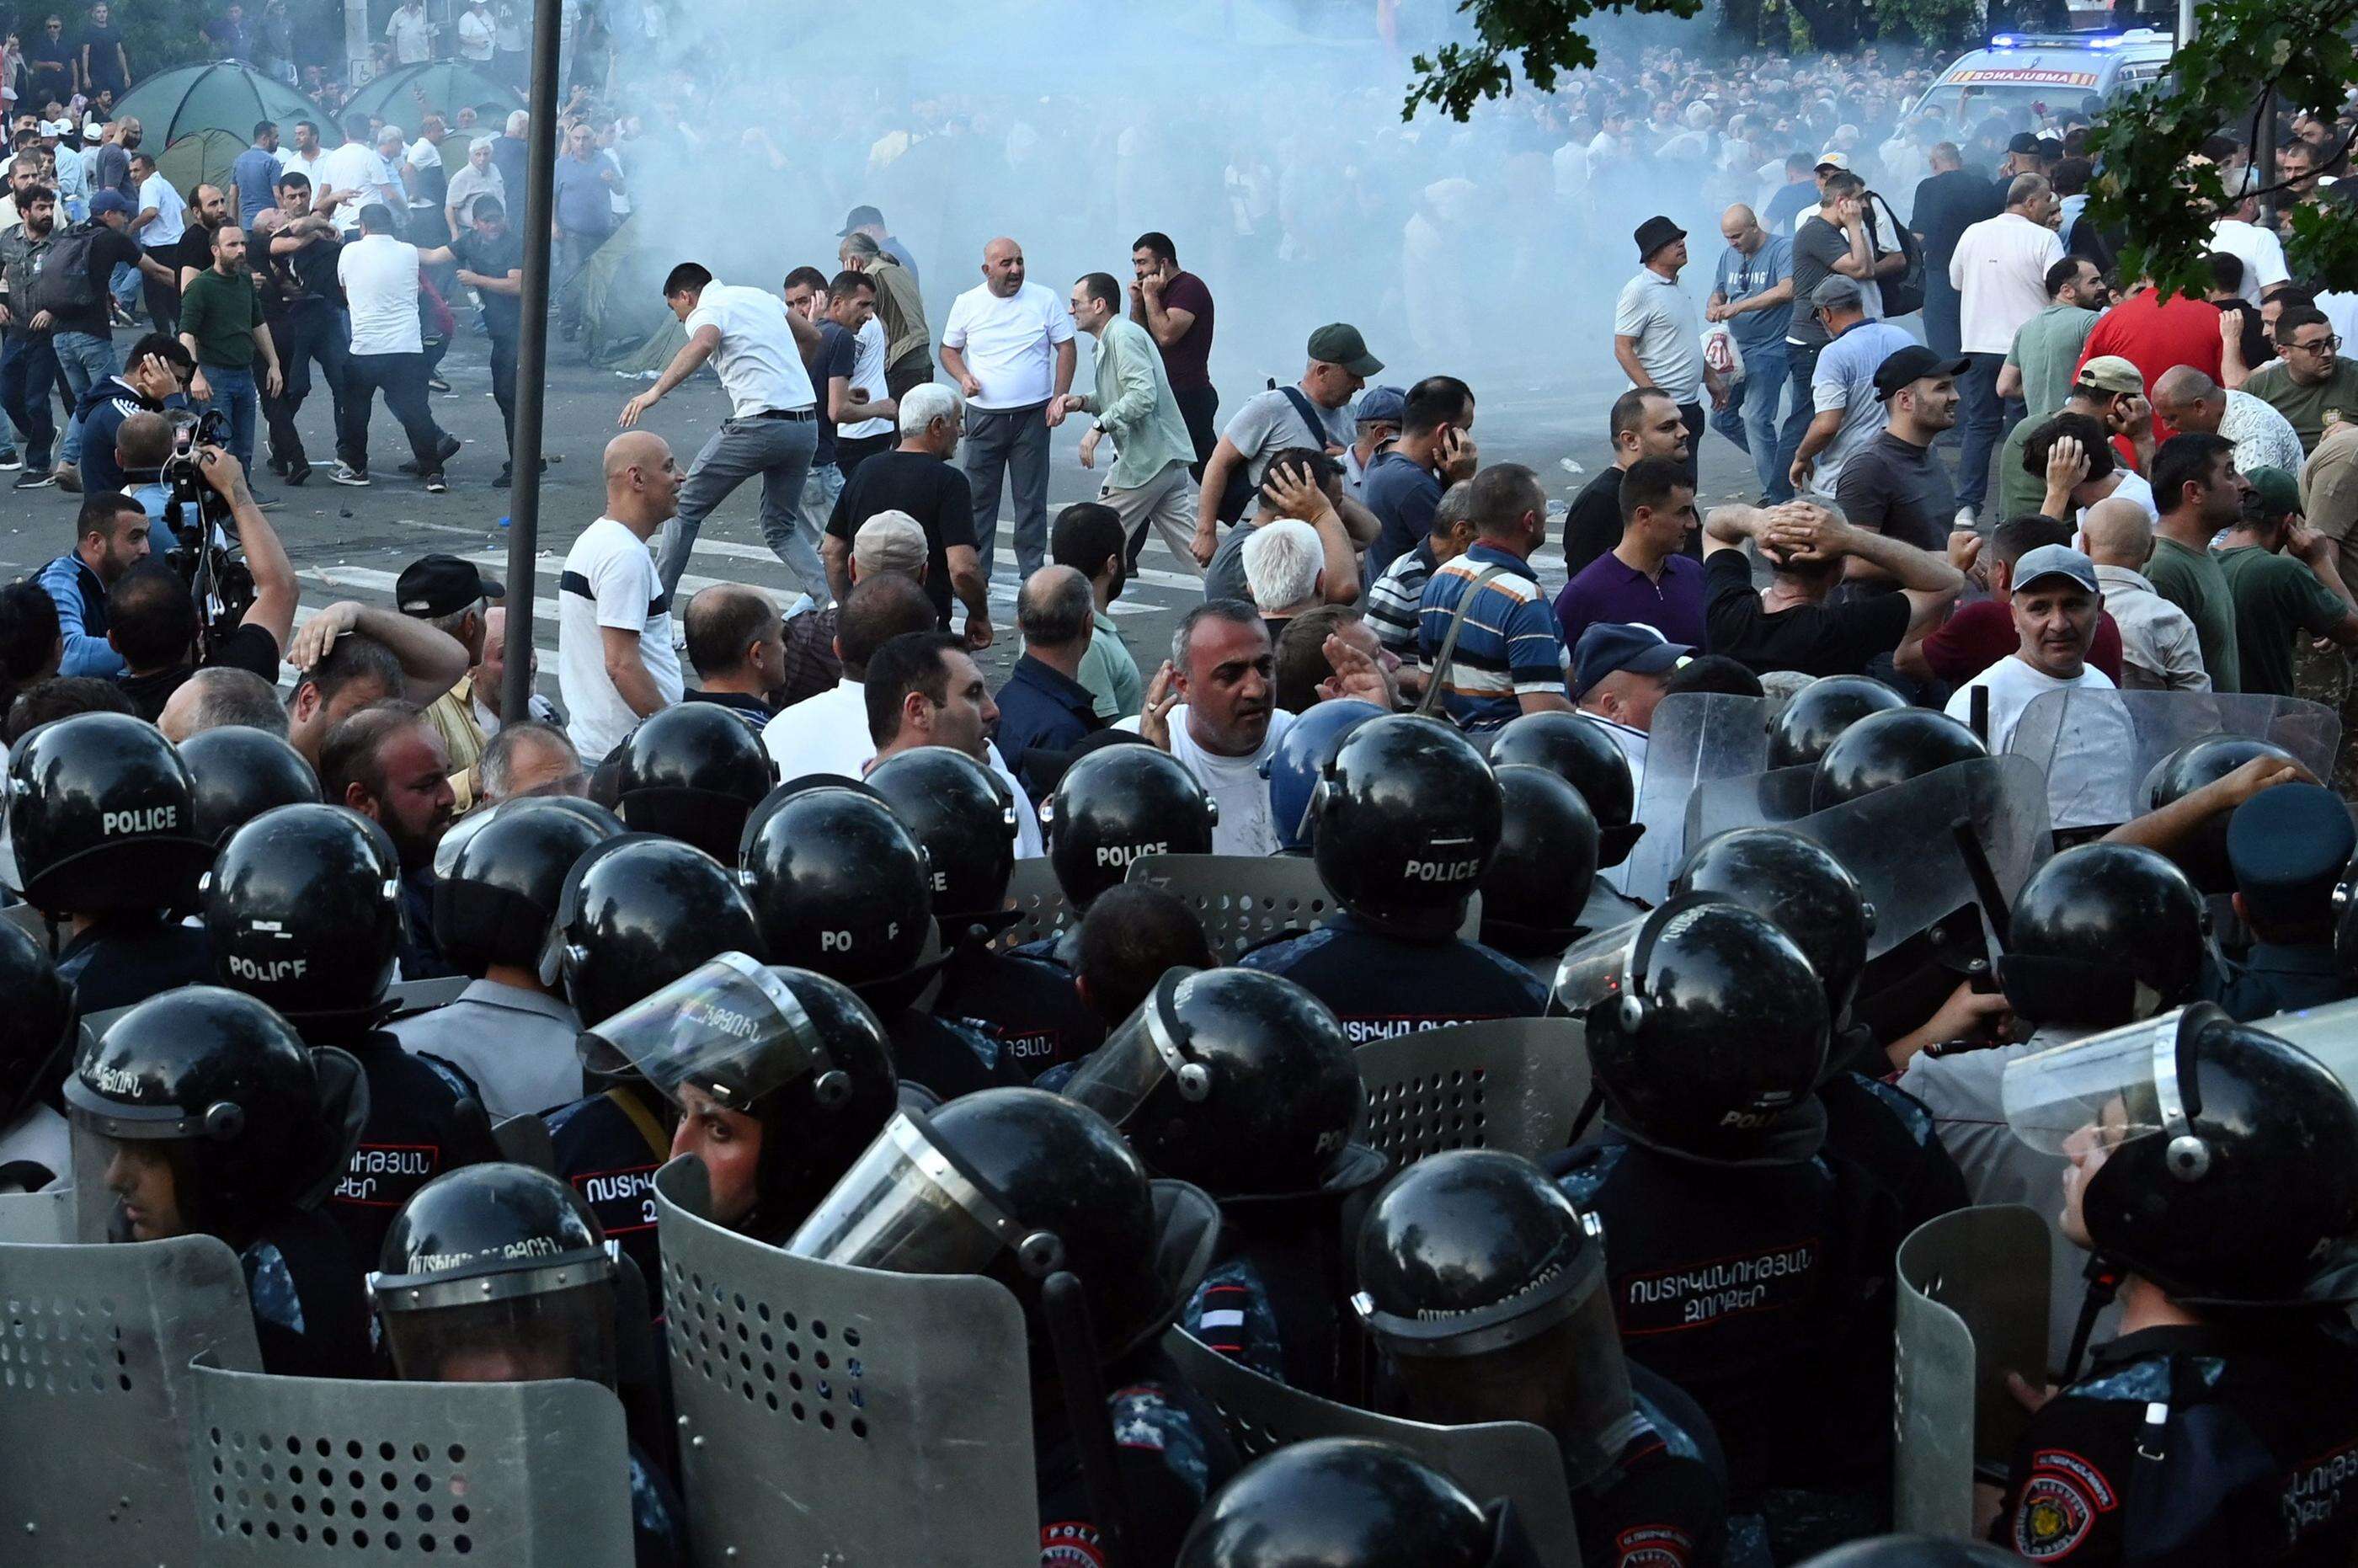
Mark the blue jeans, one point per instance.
(233, 395)
(1749, 420)
(28, 368)
(1802, 364)
(84, 361)
(124, 283)
(1987, 419)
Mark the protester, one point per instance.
(1794, 623)
(1644, 423)
(1844, 385)
(1948, 201)
(2106, 389)
(2041, 363)
(1893, 484)
(2198, 492)
(917, 481)
(489, 257)
(1009, 346)
(1404, 483)
(2313, 385)
(380, 280)
(1655, 330)
(1648, 579)
(1999, 270)
(1508, 656)
(2159, 650)
(2055, 599)
(1176, 308)
(2188, 401)
(1310, 413)
(2284, 583)
(737, 644)
(1753, 294)
(1087, 538)
(1135, 403)
(1209, 705)
(615, 660)
(1042, 706)
(222, 327)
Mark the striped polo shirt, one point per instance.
(1510, 644)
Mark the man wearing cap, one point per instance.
(1375, 424)
(1656, 336)
(868, 223)
(2286, 846)
(1008, 347)
(1849, 409)
(1892, 483)
(1999, 271)
(1618, 674)
(2185, 399)
(1949, 201)
(900, 311)
(1311, 412)
(2284, 580)
(2107, 389)
(1753, 295)
(1979, 635)
(1648, 579)
(1833, 242)
(454, 597)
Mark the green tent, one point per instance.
(200, 159)
(224, 96)
(448, 85)
(625, 325)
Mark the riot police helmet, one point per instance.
(1818, 714)
(1115, 805)
(499, 873)
(1343, 1502)
(693, 772)
(963, 814)
(2102, 935)
(239, 772)
(635, 913)
(303, 909)
(1797, 883)
(1300, 758)
(2202, 853)
(1406, 821)
(1578, 750)
(1889, 748)
(837, 883)
(102, 818)
(1539, 882)
(39, 1027)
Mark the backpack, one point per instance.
(63, 284)
(1237, 497)
(1903, 292)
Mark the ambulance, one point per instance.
(2027, 79)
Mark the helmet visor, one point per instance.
(130, 1184)
(730, 1027)
(518, 1339)
(2095, 1095)
(1117, 1079)
(1597, 969)
(908, 1206)
(1566, 1281)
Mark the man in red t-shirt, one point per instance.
(1979, 635)
(2156, 334)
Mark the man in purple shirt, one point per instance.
(1647, 579)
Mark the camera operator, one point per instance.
(155, 622)
(157, 369)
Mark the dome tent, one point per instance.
(222, 96)
(448, 86)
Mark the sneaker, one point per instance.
(410, 467)
(448, 450)
(507, 477)
(297, 472)
(278, 465)
(437, 383)
(69, 479)
(11, 460)
(347, 474)
(1966, 519)
(436, 484)
(35, 479)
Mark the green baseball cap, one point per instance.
(1339, 344)
(2279, 492)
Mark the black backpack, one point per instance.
(1236, 496)
(63, 284)
(1903, 291)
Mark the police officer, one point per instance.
(780, 1078)
(1242, 1084)
(1348, 1502)
(39, 1031)
(2200, 850)
(1061, 1192)
(303, 910)
(635, 913)
(1408, 821)
(1111, 807)
(498, 1274)
(692, 772)
(2217, 1168)
(1811, 896)
(840, 887)
(101, 819)
(1820, 712)
(1580, 752)
(1748, 1263)
(963, 817)
(201, 1112)
(1536, 892)
(1889, 748)
(1483, 1287)
(241, 773)
(1299, 761)
(2286, 848)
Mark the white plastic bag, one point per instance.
(1721, 353)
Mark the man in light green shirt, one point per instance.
(2046, 349)
(1133, 404)
(1089, 538)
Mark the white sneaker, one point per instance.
(1966, 518)
(347, 474)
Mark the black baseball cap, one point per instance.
(860, 218)
(433, 586)
(1909, 366)
(2022, 142)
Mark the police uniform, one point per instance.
(421, 955)
(1890, 1134)
(609, 1146)
(658, 1521)
(1381, 985)
(2286, 848)
(2275, 977)
(1273, 1296)
(310, 1312)
(946, 1056)
(1029, 1007)
(127, 958)
(2202, 1444)
(1663, 1501)
(35, 1150)
(1170, 1448)
(422, 1119)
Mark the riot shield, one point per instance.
(96, 1394)
(42, 1219)
(408, 997)
(825, 1415)
(2096, 747)
(1515, 1084)
(1771, 799)
(29, 921)
(1038, 902)
(1508, 1459)
(1696, 738)
(524, 1474)
(2330, 1033)
(1245, 900)
(1974, 1293)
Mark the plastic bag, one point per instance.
(1721, 353)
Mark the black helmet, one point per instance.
(2229, 1168)
(1798, 883)
(303, 909)
(963, 814)
(2345, 921)
(1405, 823)
(259, 1121)
(1578, 751)
(797, 1051)
(1890, 748)
(1342, 1502)
(637, 913)
(102, 815)
(1820, 711)
(1706, 1027)
(1016, 1184)
(37, 1028)
(1915, 1551)
(692, 772)
(2103, 934)
(496, 1272)
(1238, 1081)
(241, 773)
(837, 883)
(2203, 852)
(1538, 884)
(1115, 805)
(499, 873)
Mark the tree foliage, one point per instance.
(1543, 37)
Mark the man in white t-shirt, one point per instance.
(615, 664)
(2258, 248)
(1008, 347)
(1999, 271)
(1212, 708)
(380, 274)
(2056, 601)
(479, 33)
(412, 34)
(355, 174)
(306, 157)
(756, 345)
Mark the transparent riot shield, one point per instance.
(523, 1475)
(1696, 737)
(96, 1395)
(1973, 1291)
(1038, 902)
(42, 1218)
(1770, 799)
(2330, 1033)
(1510, 1459)
(827, 1415)
(1515, 1084)
(2096, 747)
(28, 920)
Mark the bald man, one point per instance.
(2188, 400)
(1009, 346)
(1753, 293)
(737, 642)
(2159, 650)
(615, 661)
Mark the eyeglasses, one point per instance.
(2317, 345)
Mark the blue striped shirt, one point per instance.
(1510, 644)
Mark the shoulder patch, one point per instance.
(1652, 1546)
(2059, 1505)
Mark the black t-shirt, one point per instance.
(247, 647)
(193, 248)
(107, 248)
(2256, 349)
(928, 490)
(1816, 248)
(502, 313)
(306, 278)
(1593, 527)
(1816, 639)
(1946, 206)
(836, 353)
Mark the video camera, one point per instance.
(206, 553)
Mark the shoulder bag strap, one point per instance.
(1449, 641)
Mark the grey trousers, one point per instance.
(780, 451)
(1013, 442)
